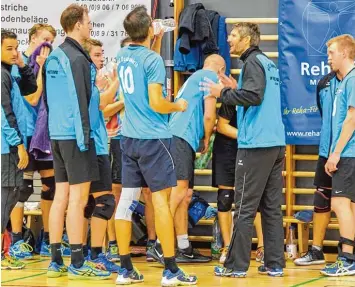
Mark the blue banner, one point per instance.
(305, 26)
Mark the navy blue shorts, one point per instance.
(147, 163)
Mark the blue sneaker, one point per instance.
(110, 266)
(112, 253)
(225, 272)
(88, 271)
(274, 272)
(180, 278)
(55, 270)
(340, 268)
(21, 250)
(45, 249)
(126, 277)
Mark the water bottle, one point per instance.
(166, 25)
(204, 159)
(217, 242)
(291, 247)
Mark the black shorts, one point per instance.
(147, 162)
(322, 179)
(184, 159)
(11, 176)
(73, 166)
(116, 161)
(105, 181)
(37, 165)
(344, 179)
(224, 155)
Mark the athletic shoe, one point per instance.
(45, 249)
(340, 268)
(260, 255)
(112, 253)
(55, 270)
(156, 252)
(126, 277)
(66, 252)
(21, 250)
(312, 257)
(88, 271)
(180, 278)
(150, 244)
(11, 263)
(190, 255)
(109, 266)
(225, 272)
(273, 272)
(224, 253)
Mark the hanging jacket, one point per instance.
(40, 146)
(195, 28)
(223, 46)
(188, 62)
(13, 117)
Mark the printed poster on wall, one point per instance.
(305, 26)
(106, 16)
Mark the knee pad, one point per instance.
(225, 199)
(50, 183)
(104, 206)
(26, 190)
(346, 241)
(322, 199)
(128, 203)
(90, 206)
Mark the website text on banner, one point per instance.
(305, 26)
(106, 17)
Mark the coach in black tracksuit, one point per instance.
(260, 157)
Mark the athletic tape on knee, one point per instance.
(128, 202)
(104, 207)
(225, 199)
(26, 190)
(89, 208)
(346, 241)
(50, 183)
(322, 199)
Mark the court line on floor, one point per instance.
(309, 281)
(38, 261)
(24, 277)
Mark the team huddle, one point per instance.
(54, 105)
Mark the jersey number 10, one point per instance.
(126, 79)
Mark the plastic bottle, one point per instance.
(204, 159)
(217, 242)
(166, 25)
(291, 247)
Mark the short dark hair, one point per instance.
(73, 14)
(89, 43)
(125, 41)
(137, 24)
(39, 27)
(6, 34)
(249, 29)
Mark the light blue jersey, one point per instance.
(31, 112)
(189, 124)
(344, 99)
(137, 68)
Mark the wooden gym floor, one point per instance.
(35, 275)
